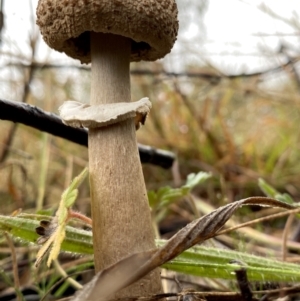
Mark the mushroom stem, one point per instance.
(120, 210)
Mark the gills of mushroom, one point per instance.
(110, 34)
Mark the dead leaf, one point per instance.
(116, 277)
(134, 267)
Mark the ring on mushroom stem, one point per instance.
(76, 114)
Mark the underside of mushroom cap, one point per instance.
(151, 24)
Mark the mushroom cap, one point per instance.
(151, 24)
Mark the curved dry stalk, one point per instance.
(15, 265)
(259, 220)
(285, 235)
(62, 272)
(245, 229)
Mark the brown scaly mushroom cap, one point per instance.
(151, 24)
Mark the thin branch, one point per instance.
(283, 50)
(278, 34)
(48, 122)
(258, 220)
(285, 233)
(15, 265)
(68, 279)
(204, 75)
(243, 284)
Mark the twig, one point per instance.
(276, 292)
(84, 219)
(258, 220)
(57, 283)
(48, 122)
(44, 165)
(283, 50)
(285, 235)
(15, 266)
(209, 296)
(249, 232)
(204, 75)
(62, 272)
(243, 283)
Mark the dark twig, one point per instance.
(243, 283)
(48, 122)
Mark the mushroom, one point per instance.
(110, 34)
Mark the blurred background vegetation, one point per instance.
(229, 112)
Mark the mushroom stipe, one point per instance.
(102, 32)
